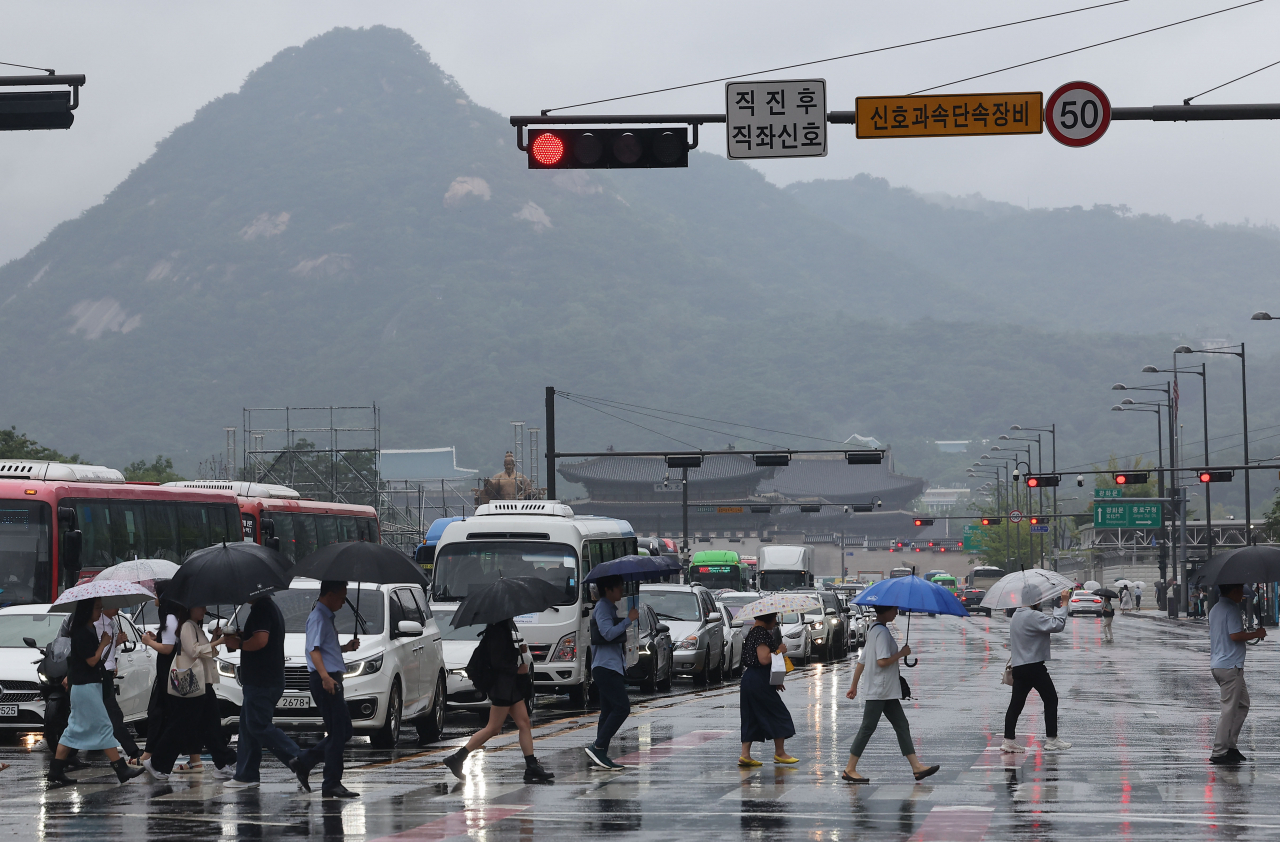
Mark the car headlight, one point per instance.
(795, 633)
(567, 648)
(690, 642)
(366, 667)
(461, 673)
(816, 626)
(226, 668)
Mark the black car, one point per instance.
(972, 598)
(653, 672)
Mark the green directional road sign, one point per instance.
(1127, 515)
(1107, 493)
(972, 538)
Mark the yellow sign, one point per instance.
(729, 510)
(950, 115)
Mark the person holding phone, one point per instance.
(1029, 632)
(326, 668)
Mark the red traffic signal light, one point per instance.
(1133, 478)
(991, 521)
(1216, 476)
(1034, 520)
(1043, 480)
(923, 521)
(596, 148)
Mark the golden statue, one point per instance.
(506, 485)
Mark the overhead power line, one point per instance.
(626, 421)
(841, 57)
(1089, 47)
(48, 70)
(1187, 101)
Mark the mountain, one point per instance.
(351, 227)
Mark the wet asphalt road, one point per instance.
(1140, 713)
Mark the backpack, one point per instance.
(480, 669)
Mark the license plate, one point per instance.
(294, 702)
(8, 710)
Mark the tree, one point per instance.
(161, 470)
(15, 445)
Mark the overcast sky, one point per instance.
(151, 65)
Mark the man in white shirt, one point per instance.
(108, 624)
(879, 661)
(1226, 662)
(1029, 632)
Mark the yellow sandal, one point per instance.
(787, 759)
(749, 762)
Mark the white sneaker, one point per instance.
(226, 773)
(1057, 745)
(1010, 747)
(236, 784)
(159, 776)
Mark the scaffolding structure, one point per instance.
(327, 453)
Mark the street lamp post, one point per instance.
(1129, 405)
(1052, 430)
(1174, 461)
(1244, 413)
(1039, 469)
(1027, 492)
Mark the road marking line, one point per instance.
(955, 824)
(461, 823)
(663, 750)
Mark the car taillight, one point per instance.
(567, 648)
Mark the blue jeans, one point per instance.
(615, 707)
(337, 722)
(258, 732)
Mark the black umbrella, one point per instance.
(506, 598)
(228, 574)
(361, 561)
(1250, 564)
(1106, 593)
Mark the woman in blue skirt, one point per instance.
(764, 716)
(89, 728)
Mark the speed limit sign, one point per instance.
(1015, 516)
(1077, 114)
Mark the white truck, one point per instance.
(784, 567)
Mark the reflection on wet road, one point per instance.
(1140, 712)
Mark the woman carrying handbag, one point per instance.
(763, 714)
(191, 721)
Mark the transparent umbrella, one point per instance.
(1026, 587)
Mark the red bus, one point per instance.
(277, 517)
(59, 521)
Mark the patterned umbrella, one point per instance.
(144, 571)
(1026, 587)
(779, 603)
(113, 595)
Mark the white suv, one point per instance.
(396, 674)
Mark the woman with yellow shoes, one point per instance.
(764, 715)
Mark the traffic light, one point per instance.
(923, 521)
(1216, 476)
(605, 149)
(1043, 480)
(1033, 520)
(991, 521)
(37, 110)
(1135, 478)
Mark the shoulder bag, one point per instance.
(1006, 677)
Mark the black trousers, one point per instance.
(337, 724)
(118, 727)
(1028, 677)
(615, 706)
(191, 725)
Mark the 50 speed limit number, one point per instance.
(1077, 114)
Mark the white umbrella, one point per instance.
(1026, 587)
(1120, 583)
(779, 603)
(1092, 585)
(112, 594)
(1139, 584)
(144, 571)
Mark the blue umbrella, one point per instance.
(633, 567)
(911, 593)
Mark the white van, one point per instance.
(541, 538)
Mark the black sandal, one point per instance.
(924, 773)
(845, 776)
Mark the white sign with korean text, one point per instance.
(778, 119)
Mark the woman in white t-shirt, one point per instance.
(883, 695)
(171, 616)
